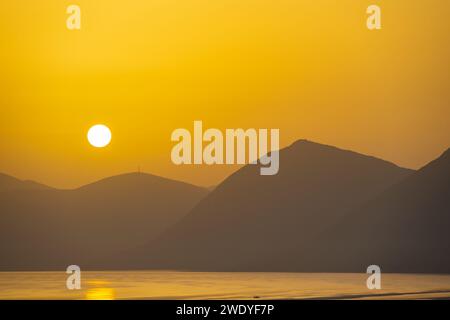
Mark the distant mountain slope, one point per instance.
(253, 222)
(405, 229)
(47, 229)
(8, 183)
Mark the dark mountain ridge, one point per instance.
(9, 183)
(252, 222)
(404, 229)
(48, 229)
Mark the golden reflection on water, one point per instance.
(99, 291)
(106, 285)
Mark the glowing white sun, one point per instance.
(99, 136)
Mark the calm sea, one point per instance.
(219, 285)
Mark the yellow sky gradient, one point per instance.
(147, 67)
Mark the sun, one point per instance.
(99, 136)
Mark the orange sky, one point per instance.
(145, 68)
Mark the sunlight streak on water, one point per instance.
(100, 294)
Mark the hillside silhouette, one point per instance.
(327, 210)
(8, 183)
(50, 229)
(404, 229)
(260, 223)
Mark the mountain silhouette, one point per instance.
(260, 223)
(51, 229)
(8, 183)
(327, 210)
(404, 229)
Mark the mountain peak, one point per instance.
(302, 142)
(311, 146)
(317, 185)
(319, 151)
(135, 180)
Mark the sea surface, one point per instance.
(220, 285)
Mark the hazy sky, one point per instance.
(147, 67)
